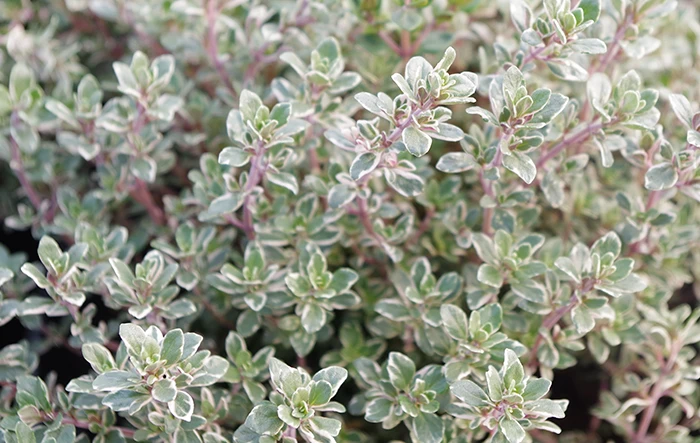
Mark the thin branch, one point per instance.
(142, 194)
(423, 227)
(549, 322)
(578, 138)
(213, 48)
(406, 45)
(366, 222)
(139, 190)
(255, 176)
(214, 311)
(18, 166)
(390, 42)
(533, 55)
(487, 185)
(21, 173)
(657, 392)
(126, 432)
(614, 46)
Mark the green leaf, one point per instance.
(263, 419)
(145, 168)
(325, 426)
(24, 433)
(21, 79)
(470, 393)
(536, 388)
(582, 319)
(256, 300)
(133, 337)
(320, 393)
(255, 391)
(49, 253)
(225, 204)
(456, 162)
(455, 322)
(363, 165)
(379, 410)
(114, 380)
(5, 275)
(37, 276)
(99, 357)
(490, 275)
(682, 108)
(343, 279)
(26, 137)
(447, 132)
(540, 98)
(89, 93)
(555, 105)
(285, 413)
(32, 391)
(124, 400)
(447, 59)
(285, 180)
(407, 18)
(589, 46)
(313, 317)
(512, 430)
(122, 271)
(345, 82)
(61, 111)
(428, 428)
(520, 14)
(531, 37)
(485, 248)
(485, 115)
(512, 80)
(522, 165)
(5, 100)
(392, 309)
(599, 90)
(623, 268)
(369, 102)
(660, 177)
(417, 142)
(249, 104)
(609, 243)
(568, 70)
(530, 290)
(280, 113)
(405, 183)
(295, 62)
(182, 406)
(340, 195)
(164, 390)
(549, 408)
(166, 106)
(401, 370)
(513, 371)
(127, 81)
(494, 384)
(334, 375)
(591, 9)
(329, 48)
(553, 189)
(235, 157)
(172, 346)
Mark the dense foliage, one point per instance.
(350, 220)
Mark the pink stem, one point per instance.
(213, 48)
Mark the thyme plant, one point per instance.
(349, 221)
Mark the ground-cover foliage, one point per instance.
(349, 221)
